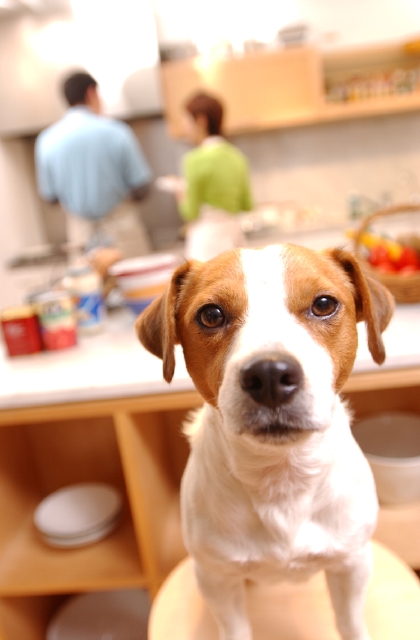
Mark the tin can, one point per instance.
(84, 284)
(20, 329)
(57, 320)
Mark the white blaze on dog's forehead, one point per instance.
(264, 280)
(269, 325)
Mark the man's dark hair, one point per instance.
(209, 106)
(75, 87)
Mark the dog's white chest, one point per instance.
(281, 547)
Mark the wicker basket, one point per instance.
(405, 289)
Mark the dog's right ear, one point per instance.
(156, 325)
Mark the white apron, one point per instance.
(122, 228)
(215, 231)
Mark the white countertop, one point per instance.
(113, 364)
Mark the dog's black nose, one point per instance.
(272, 380)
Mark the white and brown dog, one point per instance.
(275, 486)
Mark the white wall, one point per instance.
(20, 221)
(340, 22)
(114, 41)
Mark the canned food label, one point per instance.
(56, 312)
(90, 310)
(58, 325)
(22, 336)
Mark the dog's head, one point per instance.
(269, 335)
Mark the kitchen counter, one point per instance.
(113, 364)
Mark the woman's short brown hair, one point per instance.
(209, 106)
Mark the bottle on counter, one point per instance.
(85, 286)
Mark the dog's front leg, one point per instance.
(347, 588)
(225, 597)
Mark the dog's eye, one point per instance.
(211, 316)
(324, 306)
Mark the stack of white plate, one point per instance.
(78, 514)
(108, 615)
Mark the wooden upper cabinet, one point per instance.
(260, 90)
(301, 85)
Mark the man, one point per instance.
(94, 167)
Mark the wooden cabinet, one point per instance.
(398, 526)
(290, 87)
(260, 90)
(134, 444)
(137, 445)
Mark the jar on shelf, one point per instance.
(85, 286)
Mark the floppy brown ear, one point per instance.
(374, 303)
(156, 325)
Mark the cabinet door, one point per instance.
(260, 90)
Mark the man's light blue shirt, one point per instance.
(89, 163)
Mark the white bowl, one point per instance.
(107, 615)
(81, 541)
(142, 279)
(78, 510)
(139, 282)
(143, 265)
(391, 443)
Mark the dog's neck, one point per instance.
(269, 471)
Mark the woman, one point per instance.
(217, 183)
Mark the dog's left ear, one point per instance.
(374, 303)
(156, 325)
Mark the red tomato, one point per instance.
(386, 266)
(408, 270)
(377, 255)
(408, 258)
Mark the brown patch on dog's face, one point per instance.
(312, 276)
(219, 282)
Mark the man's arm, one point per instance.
(136, 172)
(140, 192)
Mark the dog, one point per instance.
(275, 486)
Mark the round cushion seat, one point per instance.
(290, 611)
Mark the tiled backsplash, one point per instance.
(321, 166)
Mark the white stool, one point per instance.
(293, 611)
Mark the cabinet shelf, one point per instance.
(370, 107)
(28, 566)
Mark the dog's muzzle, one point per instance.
(272, 380)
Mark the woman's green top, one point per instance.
(216, 173)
